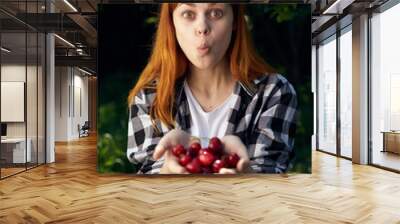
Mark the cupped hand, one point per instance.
(167, 142)
(233, 144)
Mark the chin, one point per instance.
(203, 64)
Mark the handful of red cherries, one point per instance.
(205, 160)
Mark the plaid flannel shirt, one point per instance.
(265, 121)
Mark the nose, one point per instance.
(202, 31)
(203, 27)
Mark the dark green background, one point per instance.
(281, 34)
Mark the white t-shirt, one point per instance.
(206, 125)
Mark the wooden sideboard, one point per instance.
(391, 141)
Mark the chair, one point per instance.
(84, 130)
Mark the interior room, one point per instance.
(49, 127)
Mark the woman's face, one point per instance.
(203, 31)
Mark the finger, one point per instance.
(160, 149)
(242, 165)
(175, 167)
(227, 171)
(173, 164)
(194, 139)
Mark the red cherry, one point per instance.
(219, 155)
(194, 149)
(194, 166)
(217, 165)
(178, 150)
(185, 159)
(206, 158)
(215, 145)
(203, 150)
(232, 160)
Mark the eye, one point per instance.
(216, 13)
(188, 14)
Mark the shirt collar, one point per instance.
(250, 92)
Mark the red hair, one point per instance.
(168, 63)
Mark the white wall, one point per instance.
(81, 113)
(16, 72)
(33, 127)
(10, 73)
(61, 103)
(71, 94)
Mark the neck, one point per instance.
(211, 82)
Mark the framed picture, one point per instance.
(204, 88)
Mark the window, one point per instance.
(327, 95)
(346, 92)
(22, 76)
(385, 85)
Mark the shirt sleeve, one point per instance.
(142, 136)
(274, 132)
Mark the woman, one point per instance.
(205, 79)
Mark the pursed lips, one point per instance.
(203, 48)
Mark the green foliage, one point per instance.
(151, 20)
(302, 146)
(280, 13)
(111, 144)
(283, 13)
